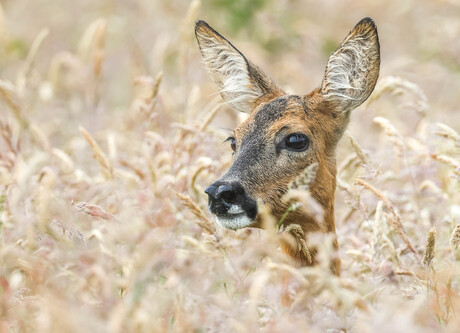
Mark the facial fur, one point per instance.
(263, 165)
(267, 157)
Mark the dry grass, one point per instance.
(109, 132)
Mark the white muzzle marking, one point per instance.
(235, 219)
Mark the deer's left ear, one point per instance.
(242, 84)
(353, 69)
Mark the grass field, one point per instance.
(110, 129)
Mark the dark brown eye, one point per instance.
(297, 142)
(232, 143)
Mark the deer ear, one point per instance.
(241, 84)
(353, 69)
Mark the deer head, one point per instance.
(284, 134)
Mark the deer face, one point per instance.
(284, 134)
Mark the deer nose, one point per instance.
(226, 199)
(223, 192)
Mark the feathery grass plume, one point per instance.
(130, 177)
(394, 219)
(302, 181)
(146, 91)
(30, 60)
(393, 134)
(63, 64)
(99, 46)
(209, 117)
(106, 167)
(203, 221)
(380, 238)
(448, 133)
(132, 166)
(153, 176)
(66, 233)
(449, 161)
(203, 164)
(98, 59)
(31, 56)
(455, 241)
(346, 163)
(357, 148)
(40, 137)
(47, 180)
(93, 210)
(156, 86)
(91, 51)
(299, 197)
(9, 94)
(430, 185)
(397, 86)
(143, 91)
(297, 231)
(63, 160)
(430, 248)
(90, 38)
(344, 186)
(6, 134)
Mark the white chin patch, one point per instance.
(235, 219)
(234, 222)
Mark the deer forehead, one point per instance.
(291, 112)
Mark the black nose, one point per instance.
(224, 195)
(223, 192)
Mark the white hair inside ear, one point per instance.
(353, 69)
(240, 83)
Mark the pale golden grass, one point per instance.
(449, 133)
(110, 129)
(430, 248)
(392, 133)
(203, 221)
(98, 154)
(298, 196)
(455, 241)
(300, 237)
(357, 149)
(400, 86)
(394, 219)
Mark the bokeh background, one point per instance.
(111, 128)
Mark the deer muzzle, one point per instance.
(233, 208)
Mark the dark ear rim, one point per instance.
(366, 25)
(201, 25)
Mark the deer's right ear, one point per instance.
(241, 84)
(353, 69)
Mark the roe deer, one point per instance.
(284, 134)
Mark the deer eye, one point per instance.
(297, 142)
(232, 142)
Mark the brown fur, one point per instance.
(322, 115)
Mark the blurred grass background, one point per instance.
(105, 245)
(290, 39)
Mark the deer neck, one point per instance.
(323, 191)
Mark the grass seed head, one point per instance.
(455, 241)
(430, 248)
